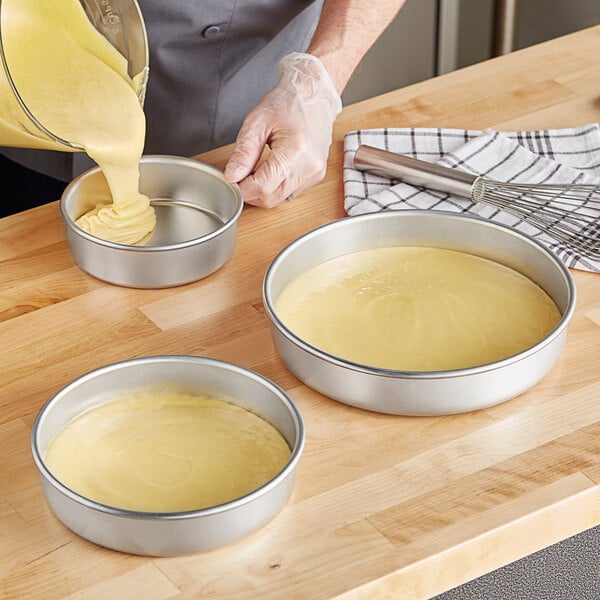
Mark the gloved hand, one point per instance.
(295, 120)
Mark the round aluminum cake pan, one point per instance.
(196, 219)
(176, 533)
(420, 392)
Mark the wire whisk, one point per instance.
(569, 213)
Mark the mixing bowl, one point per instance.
(196, 216)
(121, 23)
(420, 392)
(173, 533)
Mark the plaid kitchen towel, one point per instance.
(545, 156)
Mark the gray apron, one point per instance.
(211, 61)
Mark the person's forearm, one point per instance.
(346, 31)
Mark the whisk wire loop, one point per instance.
(550, 208)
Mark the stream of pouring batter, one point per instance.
(76, 84)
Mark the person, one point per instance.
(267, 74)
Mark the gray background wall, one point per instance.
(430, 37)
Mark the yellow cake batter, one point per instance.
(76, 85)
(166, 453)
(416, 309)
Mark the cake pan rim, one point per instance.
(338, 361)
(158, 158)
(287, 470)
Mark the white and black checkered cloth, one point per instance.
(545, 156)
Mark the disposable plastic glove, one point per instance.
(295, 120)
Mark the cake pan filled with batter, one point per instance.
(196, 220)
(418, 312)
(167, 455)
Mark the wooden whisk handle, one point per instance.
(414, 171)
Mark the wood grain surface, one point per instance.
(384, 506)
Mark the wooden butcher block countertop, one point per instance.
(384, 506)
